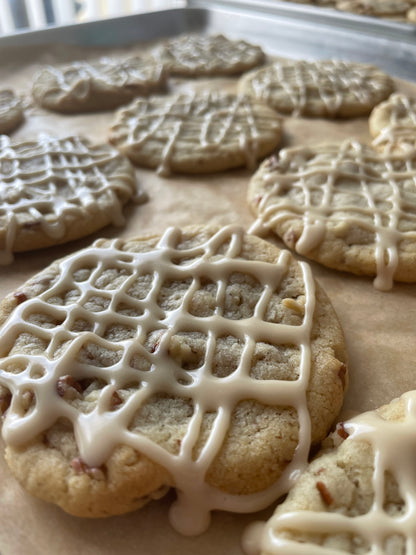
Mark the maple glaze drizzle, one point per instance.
(320, 175)
(43, 182)
(99, 431)
(199, 122)
(394, 451)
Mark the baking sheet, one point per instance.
(400, 29)
(379, 327)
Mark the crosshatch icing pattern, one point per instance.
(198, 132)
(110, 331)
(378, 521)
(347, 194)
(327, 88)
(51, 188)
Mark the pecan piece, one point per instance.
(116, 400)
(81, 467)
(68, 387)
(325, 493)
(20, 297)
(341, 431)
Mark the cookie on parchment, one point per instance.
(54, 190)
(11, 111)
(344, 205)
(358, 496)
(204, 359)
(324, 88)
(392, 123)
(376, 8)
(194, 55)
(196, 133)
(101, 84)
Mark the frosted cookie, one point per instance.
(377, 8)
(393, 124)
(357, 497)
(11, 111)
(324, 88)
(195, 133)
(343, 205)
(203, 359)
(195, 55)
(98, 85)
(55, 190)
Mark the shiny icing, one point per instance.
(400, 129)
(44, 181)
(77, 79)
(100, 430)
(208, 53)
(301, 84)
(197, 123)
(375, 192)
(394, 451)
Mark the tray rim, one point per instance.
(318, 14)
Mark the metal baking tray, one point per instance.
(294, 31)
(320, 14)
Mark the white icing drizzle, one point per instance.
(8, 101)
(44, 181)
(76, 80)
(198, 122)
(400, 129)
(198, 53)
(394, 451)
(99, 431)
(327, 171)
(303, 83)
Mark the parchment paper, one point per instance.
(379, 327)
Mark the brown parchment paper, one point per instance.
(379, 327)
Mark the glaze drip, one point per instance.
(334, 188)
(100, 430)
(394, 451)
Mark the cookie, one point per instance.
(343, 205)
(56, 190)
(393, 124)
(102, 84)
(358, 496)
(377, 8)
(195, 133)
(194, 55)
(11, 111)
(324, 88)
(203, 359)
